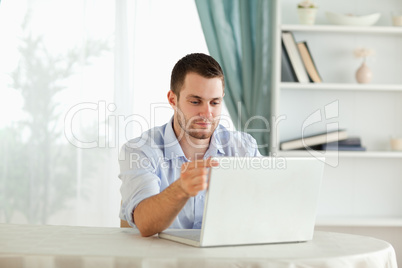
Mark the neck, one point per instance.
(194, 149)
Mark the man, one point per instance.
(164, 171)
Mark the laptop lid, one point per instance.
(261, 200)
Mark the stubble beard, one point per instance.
(187, 125)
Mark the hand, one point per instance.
(194, 175)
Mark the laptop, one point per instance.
(257, 200)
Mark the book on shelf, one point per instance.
(314, 140)
(325, 147)
(351, 141)
(295, 59)
(309, 62)
(350, 144)
(287, 72)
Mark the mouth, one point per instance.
(203, 124)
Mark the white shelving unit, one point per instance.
(339, 86)
(384, 30)
(343, 154)
(360, 222)
(365, 188)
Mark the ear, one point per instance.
(172, 99)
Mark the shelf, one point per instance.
(342, 29)
(361, 222)
(343, 154)
(339, 86)
(360, 188)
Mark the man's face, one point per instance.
(199, 106)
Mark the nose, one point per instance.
(206, 111)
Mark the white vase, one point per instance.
(307, 15)
(364, 74)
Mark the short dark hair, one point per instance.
(198, 63)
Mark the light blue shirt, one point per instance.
(151, 162)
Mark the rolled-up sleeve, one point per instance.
(139, 181)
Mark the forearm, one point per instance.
(158, 212)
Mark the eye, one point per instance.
(216, 103)
(194, 102)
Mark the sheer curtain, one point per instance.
(77, 79)
(162, 32)
(57, 74)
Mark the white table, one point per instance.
(84, 247)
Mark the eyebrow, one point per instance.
(200, 98)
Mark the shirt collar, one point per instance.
(171, 145)
(215, 144)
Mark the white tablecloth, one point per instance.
(84, 247)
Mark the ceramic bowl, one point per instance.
(341, 19)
